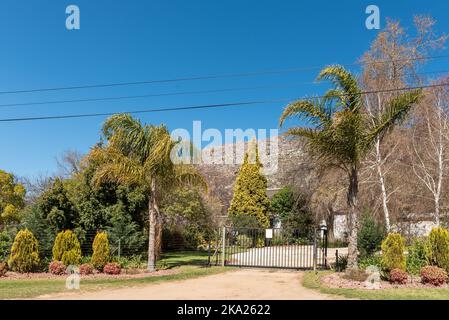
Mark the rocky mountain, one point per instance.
(285, 163)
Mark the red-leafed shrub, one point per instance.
(112, 268)
(3, 269)
(433, 275)
(86, 269)
(398, 276)
(56, 267)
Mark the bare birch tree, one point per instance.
(430, 143)
(392, 63)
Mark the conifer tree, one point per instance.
(250, 196)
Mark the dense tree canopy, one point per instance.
(12, 197)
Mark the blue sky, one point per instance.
(136, 40)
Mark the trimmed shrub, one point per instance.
(67, 248)
(398, 276)
(112, 268)
(370, 235)
(416, 257)
(24, 252)
(433, 275)
(393, 256)
(57, 268)
(3, 269)
(437, 248)
(86, 269)
(100, 248)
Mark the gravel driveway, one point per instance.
(243, 284)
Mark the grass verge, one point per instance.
(185, 262)
(313, 280)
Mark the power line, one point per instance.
(179, 93)
(207, 106)
(208, 77)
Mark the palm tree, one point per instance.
(137, 154)
(340, 133)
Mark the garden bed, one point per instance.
(337, 280)
(126, 274)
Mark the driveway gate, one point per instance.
(274, 248)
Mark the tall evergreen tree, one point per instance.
(250, 196)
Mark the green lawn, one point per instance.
(187, 262)
(312, 280)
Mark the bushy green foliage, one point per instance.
(393, 256)
(245, 222)
(188, 221)
(437, 248)
(293, 212)
(370, 235)
(24, 252)
(373, 260)
(5, 244)
(34, 220)
(250, 197)
(67, 248)
(282, 203)
(101, 254)
(57, 207)
(416, 257)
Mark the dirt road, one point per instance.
(251, 284)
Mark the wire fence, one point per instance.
(130, 251)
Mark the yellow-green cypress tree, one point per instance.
(250, 190)
(101, 254)
(24, 252)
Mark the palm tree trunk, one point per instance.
(352, 219)
(153, 220)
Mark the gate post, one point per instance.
(223, 246)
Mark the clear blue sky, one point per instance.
(141, 40)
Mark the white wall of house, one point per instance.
(407, 228)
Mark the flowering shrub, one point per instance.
(86, 269)
(3, 269)
(398, 276)
(433, 275)
(112, 268)
(56, 267)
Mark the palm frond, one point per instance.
(311, 110)
(349, 93)
(305, 132)
(127, 134)
(116, 167)
(188, 175)
(395, 112)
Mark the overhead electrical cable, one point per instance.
(207, 106)
(205, 77)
